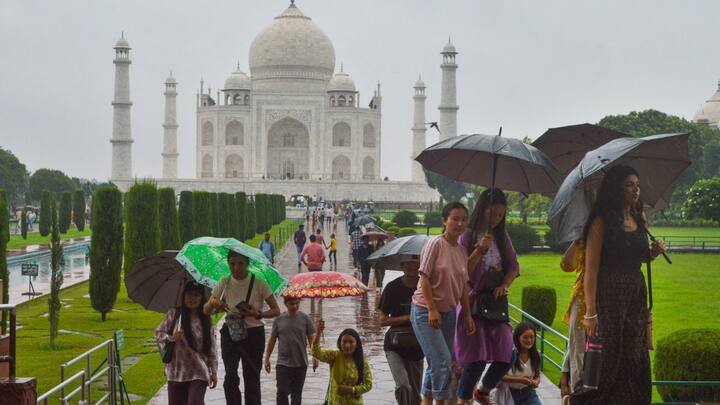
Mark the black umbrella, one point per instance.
(398, 250)
(659, 159)
(566, 146)
(156, 282)
(363, 220)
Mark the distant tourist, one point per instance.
(363, 252)
(296, 332)
(350, 375)
(332, 256)
(313, 255)
(379, 269)
(524, 375)
(319, 238)
(574, 260)
(299, 239)
(355, 243)
(194, 361)
(268, 248)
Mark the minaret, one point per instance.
(121, 135)
(170, 127)
(448, 98)
(418, 130)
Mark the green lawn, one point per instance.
(84, 330)
(34, 238)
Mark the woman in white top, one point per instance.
(524, 376)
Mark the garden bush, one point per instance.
(79, 209)
(185, 216)
(168, 220)
(523, 236)
(202, 218)
(406, 232)
(106, 249)
(241, 207)
(44, 227)
(142, 230)
(393, 229)
(65, 211)
(405, 218)
(689, 355)
(541, 302)
(251, 219)
(433, 218)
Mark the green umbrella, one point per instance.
(205, 259)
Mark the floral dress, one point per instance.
(343, 372)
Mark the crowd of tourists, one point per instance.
(449, 339)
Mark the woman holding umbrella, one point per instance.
(493, 266)
(615, 294)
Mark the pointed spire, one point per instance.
(122, 34)
(342, 70)
(238, 64)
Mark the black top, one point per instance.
(624, 251)
(364, 252)
(395, 301)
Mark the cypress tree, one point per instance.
(28, 198)
(142, 233)
(185, 216)
(5, 221)
(214, 217)
(56, 276)
(201, 214)
(23, 224)
(222, 215)
(241, 207)
(258, 205)
(252, 219)
(44, 227)
(65, 212)
(79, 209)
(106, 249)
(4, 239)
(231, 217)
(167, 214)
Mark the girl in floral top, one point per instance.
(350, 375)
(194, 362)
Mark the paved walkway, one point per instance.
(358, 313)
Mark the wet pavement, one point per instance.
(340, 313)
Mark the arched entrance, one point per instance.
(341, 168)
(288, 153)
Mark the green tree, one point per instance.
(405, 218)
(4, 239)
(45, 213)
(241, 206)
(13, 174)
(65, 212)
(259, 213)
(48, 179)
(27, 199)
(23, 223)
(449, 189)
(56, 276)
(142, 233)
(201, 214)
(703, 200)
(252, 219)
(185, 216)
(214, 214)
(79, 209)
(106, 249)
(5, 214)
(231, 216)
(168, 218)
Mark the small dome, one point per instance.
(237, 80)
(170, 80)
(709, 112)
(341, 82)
(449, 48)
(419, 83)
(122, 43)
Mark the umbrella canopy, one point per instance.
(659, 159)
(363, 220)
(324, 284)
(566, 146)
(398, 250)
(206, 260)
(375, 235)
(492, 161)
(156, 282)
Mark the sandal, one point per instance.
(483, 397)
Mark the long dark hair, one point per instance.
(358, 355)
(204, 319)
(448, 208)
(533, 353)
(610, 201)
(477, 217)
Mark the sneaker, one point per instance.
(483, 397)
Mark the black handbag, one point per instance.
(485, 305)
(166, 350)
(403, 342)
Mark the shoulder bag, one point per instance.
(485, 305)
(166, 350)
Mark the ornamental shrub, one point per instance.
(523, 237)
(214, 215)
(541, 302)
(142, 230)
(168, 220)
(433, 218)
(241, 207)
(393, 229)
(231, 215)
(23, 224)
(65, 211)
(106, 249)
(4, 239)
(689, 355)
(185, 216)
(406, 232)
(201, 214)
(252, 220)
(79, 209)
(405, 218)
(45, 216)
(259, 213)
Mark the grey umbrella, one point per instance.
(492, 161)
(398, 250)
(659, 159)
(363, 220)
(567, 145)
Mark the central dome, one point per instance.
(292, 47)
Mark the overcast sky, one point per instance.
(525, 65)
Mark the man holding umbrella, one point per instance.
(242, 337)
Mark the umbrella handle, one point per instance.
(652, 238)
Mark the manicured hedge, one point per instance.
(523, 237)
(79, 209)
(142, 232)
(64, 211)
(406, 232)
(405, 218)
(45, 214)
(202, 218)
(541, 302)
(106, 249)
(242, 216)
(433, 218)
(252, 219)
(168, 219)
(185, 216)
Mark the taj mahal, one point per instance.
(293, 125)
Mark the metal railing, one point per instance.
(44, 398)
(11, 356)
(660, 383)
(541, 337)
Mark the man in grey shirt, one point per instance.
(295, 330)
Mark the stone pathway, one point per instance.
(358, 313)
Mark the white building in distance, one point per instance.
(709, 111)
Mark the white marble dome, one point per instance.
(341, 82)
(292, 46)
(237, 80)
(122, 43)
(449, 48)
(709, 112)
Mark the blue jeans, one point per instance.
(472, 372)
(299, 250)
(437, 345)
(525, 396)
